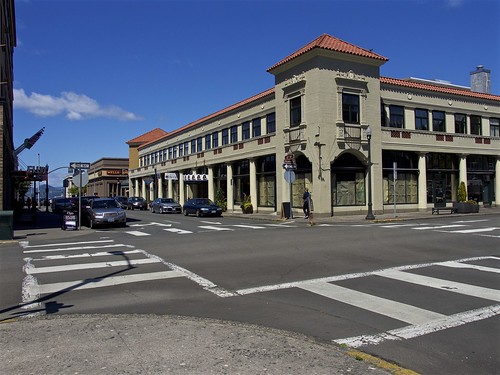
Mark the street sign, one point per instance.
(289, 162)
(79, 165)
(80, 178)
(289, 176)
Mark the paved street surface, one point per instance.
(53, 261)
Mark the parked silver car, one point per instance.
(137, 203)
(105, 211)
(165, 205)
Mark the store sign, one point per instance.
(195, 177)
(171, 176)
(114, 172)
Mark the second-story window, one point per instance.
(421, 119)
(460, 123)
(271, 123)
(295, 111)
(396, 116)
(475, 125)
(186, 148)
(438, 121)
(494, 127)
(175, 151)
(193, 146)
(208, 144)
(234, 133)
(181, 150)
(225, 136)
(350, 108)
(245, 130)
(256, 127)
(199, 144)
(215, 139)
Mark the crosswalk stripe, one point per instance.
(440, 226)
(178, 231)
(87, 255)
(476, 230)
(106, 281)
(74, 248)
(211, 227)
(67, 243)
(396, 310)
(30, 269)
(137, 233)
(413, 331)
(449, 286)
(470, 266)
(248, 226)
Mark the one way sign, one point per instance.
(77, 165)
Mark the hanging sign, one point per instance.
(171, 176)
(195, 177)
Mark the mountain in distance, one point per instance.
(53, 191)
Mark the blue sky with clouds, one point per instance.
(98, 73)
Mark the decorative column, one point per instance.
(170, 192)
(160, 185)
(462, 169)
(253, 184)
(211, 193)
(229, 193)
(422, 181)
(182, 197)
(497, 182)
(143, 188)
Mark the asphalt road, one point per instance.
(421, 293)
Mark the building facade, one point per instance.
(108, 177)
(333, 121)
(8, 159)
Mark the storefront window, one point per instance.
(348, 181)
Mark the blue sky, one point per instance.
(98, 73)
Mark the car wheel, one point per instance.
(152, 210)
(185, 212)
(198, 213)
(91, 224)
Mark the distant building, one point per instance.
(108, 177)
(480, 80)
(327, 111)
(8, 160)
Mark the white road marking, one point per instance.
(87, 255)
(440, 227)
(67, 243)
(413, 331)
(471, 221)
(75, 248)
(476, 230)
(390, 226)
(396, 310)
(248, 226)
(211, 227)
(30, 269)
(178, 231)
(137, 233)
(470, 266)
(106, 281)
(450, 286)
(211, 222)
(297, 284)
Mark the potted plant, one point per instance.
(220, 200)
(246, 205)
(464, 206)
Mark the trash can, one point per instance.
(6, 225)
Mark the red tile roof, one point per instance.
(213, 115)
(147, 137)
(330, 43)
(437, 88)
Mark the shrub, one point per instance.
(220, 199)
(462, 192)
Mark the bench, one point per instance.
(453, 210)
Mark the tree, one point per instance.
(462, 192)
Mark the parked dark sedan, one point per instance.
(165, 205)
(122, 201)
(201, 207)
(137, 202)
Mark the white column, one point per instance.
(160, 186)
(462, 170)
(497, 182)
(136, 188)
(422, 181)
(253, 184)
(211, 193)
(143, 188)
(170, 192)
(182, 197)
(229, 193)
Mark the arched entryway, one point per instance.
(348, 181)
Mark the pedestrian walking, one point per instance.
(306, 204)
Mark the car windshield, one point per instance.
(205, 201)
(167, 200)
(109, 203)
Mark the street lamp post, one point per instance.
(369, 215)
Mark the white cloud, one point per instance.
(74, 106)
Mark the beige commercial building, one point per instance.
(328, 115)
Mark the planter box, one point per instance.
(466, 208)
